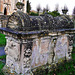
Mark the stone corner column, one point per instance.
(18, 59)
(70, 46)
(12, 51)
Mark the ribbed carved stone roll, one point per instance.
(20, 21)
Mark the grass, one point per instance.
(3, 57)
(2, 43)
(1, 66)
(2, 40)
(66, 68)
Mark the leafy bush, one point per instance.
(1, 66)
(54, 13)
(3, 57)
(33, 14)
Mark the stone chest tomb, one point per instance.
(34, 41)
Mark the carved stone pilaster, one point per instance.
(70, 39)
(27, 51)
(51, 50)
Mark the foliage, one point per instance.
(1, 66)
(34, 14)
(3, 57)
(28, 7)
(19, 3)
(73, 54)
(54, 13)
(2, 40)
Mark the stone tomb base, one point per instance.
(26, 55)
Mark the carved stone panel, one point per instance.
(61, 49)
(40, 51)
(44, 46)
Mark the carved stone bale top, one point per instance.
(21, 25)
(63, 22)
(18, 21)
(22, 22)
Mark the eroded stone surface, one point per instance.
(24, 55)
(50, 50)
(61, 49)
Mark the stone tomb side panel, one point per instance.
(61, 48)
(40, 52)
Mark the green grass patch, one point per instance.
(2, 40)
(3, 57)
(1, 66)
